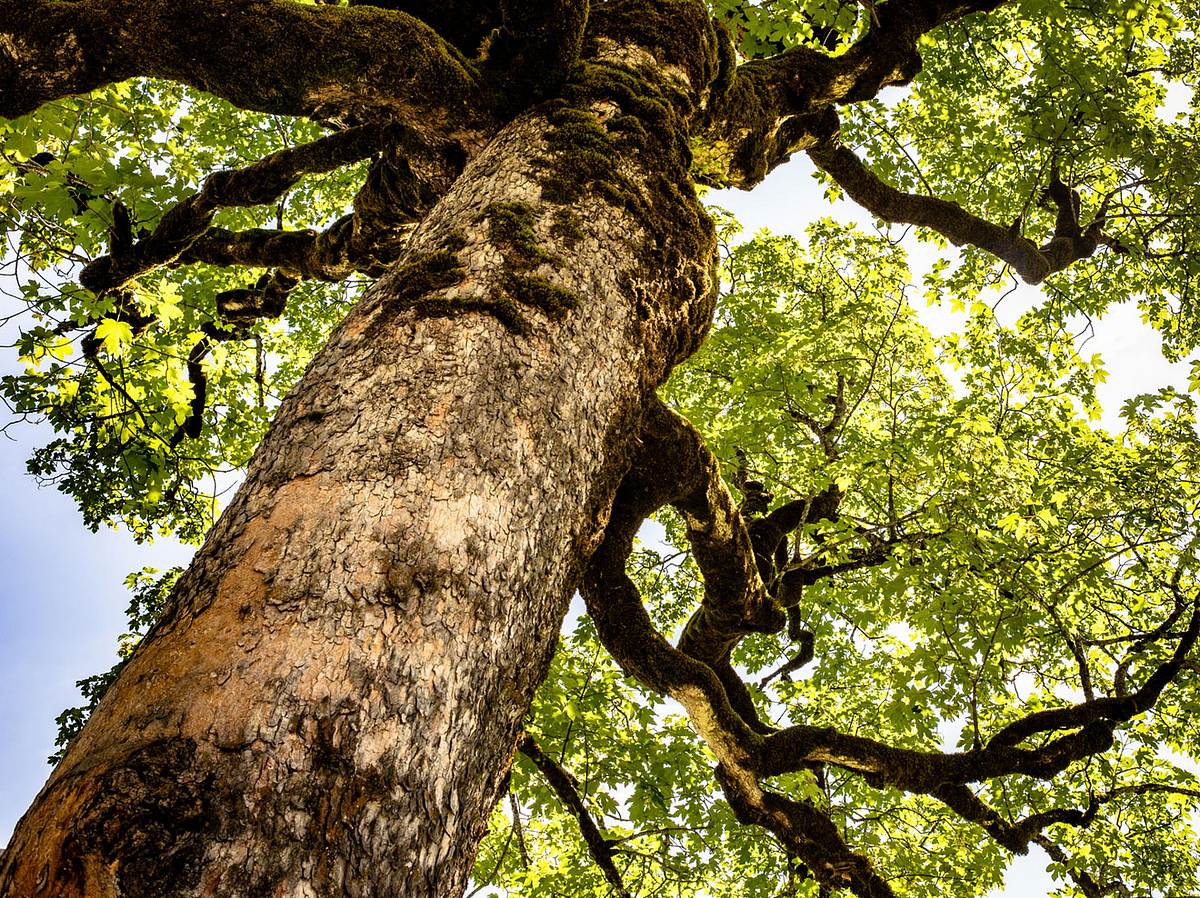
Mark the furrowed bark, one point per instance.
(276, 56)
(331, 703)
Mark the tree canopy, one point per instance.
(924, 613)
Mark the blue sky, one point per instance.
(62, 599)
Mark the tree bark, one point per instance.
(332, 702)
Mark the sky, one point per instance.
(61, 593)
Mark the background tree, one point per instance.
(332, 693)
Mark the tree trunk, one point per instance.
(332, 702)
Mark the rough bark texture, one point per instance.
(332, 702)
(327, 63)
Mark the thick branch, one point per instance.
(785, 103)
(536, 47)
(1033, 263)
(735, 600)
(626, 631)
(338, 252)
(807, 833)
(565, 788)
(276, 56)
(1013, 836)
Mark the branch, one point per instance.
(1117, 709)
(626, 631)
(334, 254)
(1013, 836)
(1017, 836)
(329, 63)
(784, 104)
(193, 425)
(1034, 264)
(1086, 882)
(565, 788)
(257, 184)
(735, 600)
(536, 47)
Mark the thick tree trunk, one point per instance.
(332, 703)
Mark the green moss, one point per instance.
(441, 269)
(567, 226)
(496, 303)
(427, 273)
(536, 291)
(511, 226)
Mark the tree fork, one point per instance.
(330, 703)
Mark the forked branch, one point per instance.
(746, 755)
(1069, 243)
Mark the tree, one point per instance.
(330, 699)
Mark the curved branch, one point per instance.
(736, 602)
(278, 56)
(1117, 709)
(626, 631)
(193, 425)
(340, 251)
(256, 184)
(785, 103)
(1034, 264)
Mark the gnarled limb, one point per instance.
(262, 182)
(783, 104)
(325, 62)
(735, 600)
(1069, 243)
(1093, 723)
(340, 251)
(746, 754)
(626, 631)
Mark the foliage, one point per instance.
(150, 590)
(1032, 551)
(993, 552)
(115, 389)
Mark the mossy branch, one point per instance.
(257, 184)
(330, 63)
(783, 104)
